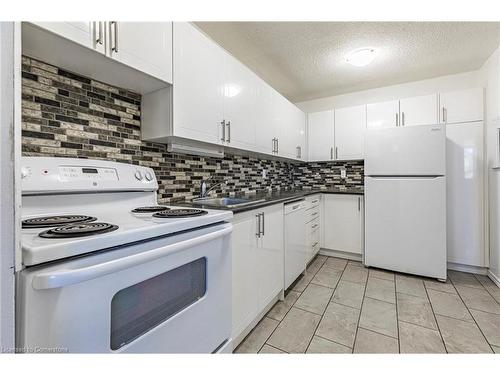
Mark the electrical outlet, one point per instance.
(343, 174)
(264, 173)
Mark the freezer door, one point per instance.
(405, 225)
(408, 151)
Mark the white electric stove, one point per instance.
(107, 269)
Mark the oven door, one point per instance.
(168, 295)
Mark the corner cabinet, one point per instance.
(258, 266)
(343, 223)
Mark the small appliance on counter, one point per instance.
(107, 269)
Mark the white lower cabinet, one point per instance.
(257, 258)
(343, 223)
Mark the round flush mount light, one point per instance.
(361, 56)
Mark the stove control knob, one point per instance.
(138, 175)
(148, 176)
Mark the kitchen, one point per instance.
(202, 210)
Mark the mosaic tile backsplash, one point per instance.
(65, 114)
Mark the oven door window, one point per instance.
(139, 308)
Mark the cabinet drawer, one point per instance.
(312, 214)
(313, 225)
(314, 238)
(312, 202)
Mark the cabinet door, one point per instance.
(270, 256)
(350, 125)
(240, 99)
(244, 283)
(464, 194)
(86, 33)
(285, 123)
(461, 106)
(382, 115)
(198, 85)
(300, 129)
(320, 132)
(145, 46)
(342, 222)
(419, 110)
(266, 118)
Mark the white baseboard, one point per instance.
(466, 268)
(494, 278)
(341, 254)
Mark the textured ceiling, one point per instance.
(306, 60)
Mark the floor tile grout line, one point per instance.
(293, 305)
(336, 342)
(378, 333)
(435, 318)
(272, 346)
(397, 312)
(360, 312)
(316, 329)
(279, 321)
(487, 289)
(475, 322)
(317, 325)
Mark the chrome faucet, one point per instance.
(204, 191)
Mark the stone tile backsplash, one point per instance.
(68, 115)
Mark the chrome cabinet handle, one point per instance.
(277, 145)
(257, 232)
(403, 118)
(336, 152)
(263, 231)
(113, 30)
(359, 204)
(228, 124)
(223, 124)
(298, 151)
(397, 119)
(445, 115)
(331, 153)
(99, 32)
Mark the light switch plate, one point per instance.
(343, 173)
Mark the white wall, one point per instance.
(428, 86)
(490, 75)
(7, 191)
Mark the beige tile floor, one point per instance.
(339, 306)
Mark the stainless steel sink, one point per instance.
(225, 202)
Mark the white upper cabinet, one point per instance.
(382, 115)
(292, 134)
(240, 104)
(145, 46)
(461, 106)
(320, 131)
(198, 89)
(266, 119)
(419, 110)
(87, 33)
(350, 125)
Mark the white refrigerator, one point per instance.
(405, 200)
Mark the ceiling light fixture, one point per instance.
(361, 56)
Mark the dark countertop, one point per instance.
(274, 198)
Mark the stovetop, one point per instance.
(109, 226)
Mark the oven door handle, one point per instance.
(58, 279)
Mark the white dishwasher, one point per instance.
(295, 241)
